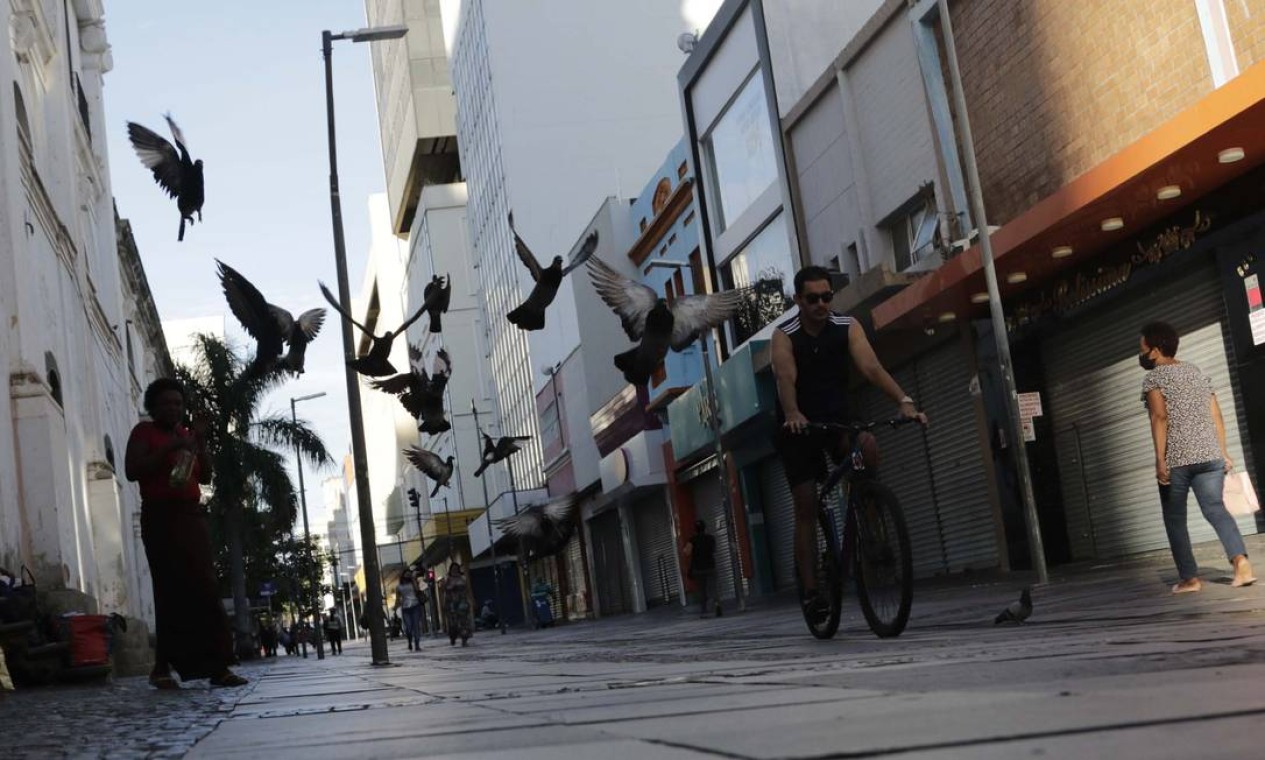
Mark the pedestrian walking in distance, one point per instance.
(169, 461)
(1190, 453)
(408, 599)
(701, 551)
(334, 633)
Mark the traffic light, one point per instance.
(414, 498)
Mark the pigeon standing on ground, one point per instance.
(429, 463)
(270, 326)
(499, 450)
(377, 362)
(173, 169)
(438, 293)
(649, 318)
(1018, 611)
(544, 529)
(531, 314)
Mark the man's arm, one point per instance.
(1158, 408)
(867, 361)
(785, 373)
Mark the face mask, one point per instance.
(1146, 361)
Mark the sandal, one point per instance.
(164, 683)
(229, 678)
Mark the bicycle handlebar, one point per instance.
(859, 427)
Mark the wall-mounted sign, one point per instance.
(1255, 308)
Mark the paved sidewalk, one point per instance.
(1110, 665)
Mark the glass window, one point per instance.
(740, 156)
(766, 265)
(914, 235)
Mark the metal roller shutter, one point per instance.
(967, 522)
(655, 549)
(779, 521)
(708, 506)
(905, 468)
(1102, 433)
(608, 563)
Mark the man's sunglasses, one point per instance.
(816, 298)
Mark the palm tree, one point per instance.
(249, 479)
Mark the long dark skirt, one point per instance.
(193, 630)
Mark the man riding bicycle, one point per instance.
(813, 356)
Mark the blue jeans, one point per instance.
(413, 624)
(1207, 480)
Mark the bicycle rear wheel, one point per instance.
(882, 561)
(828, 573)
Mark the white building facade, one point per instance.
(79, 334)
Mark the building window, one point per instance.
(54, 377)
(662, 192)
(913, 234)
(766, 265)
(741, 162)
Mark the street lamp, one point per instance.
(368, 542)
(307, 534)
(713, 415)
(996, 312)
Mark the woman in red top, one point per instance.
(169, 460)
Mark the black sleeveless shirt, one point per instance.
(823, 369)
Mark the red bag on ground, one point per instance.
(89, 637)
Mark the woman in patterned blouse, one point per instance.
(1190, 453)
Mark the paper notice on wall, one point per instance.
(1029, 407)
(1257, 319)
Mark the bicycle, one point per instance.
(873, 545)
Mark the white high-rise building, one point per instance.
(558, 106)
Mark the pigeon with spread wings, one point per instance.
(272, 327)
(531, 314)
(543, 529)
(173, 169)
(430, 465)
(376, 362)
(498, 450)
(437, 293)
(647, 317)
(421, 394)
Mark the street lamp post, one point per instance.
(377, 631)
(496, 567)
(713, 417)
(307, 534)
(996, 312)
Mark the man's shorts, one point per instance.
(804, 454)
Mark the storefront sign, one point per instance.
(1255, 308)
(1090, 282)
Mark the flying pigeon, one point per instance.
(544, 529)
(376, 363)
(429, 463)
(531, 314)
(421, 394)
(499, 450)
(173, 170)
(648, 317)
(270, 326)
(1018, 611)
(442, 286)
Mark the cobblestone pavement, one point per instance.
(1109, 665)
(115, 718)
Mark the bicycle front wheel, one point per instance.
(882, 559)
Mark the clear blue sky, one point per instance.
(244, 80)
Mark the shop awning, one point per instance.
(1186, 152)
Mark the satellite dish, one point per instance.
(686, 42)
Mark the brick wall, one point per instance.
(1055, 87)
(1246, 19)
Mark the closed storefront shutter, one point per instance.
(967, 523)
(1102, 431)
(655, 549)
(905, 468)
(608, 562)
(708, 507)
(577, 602)
(779, 522)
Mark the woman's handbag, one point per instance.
(1239, 496)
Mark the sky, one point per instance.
(244, 80)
